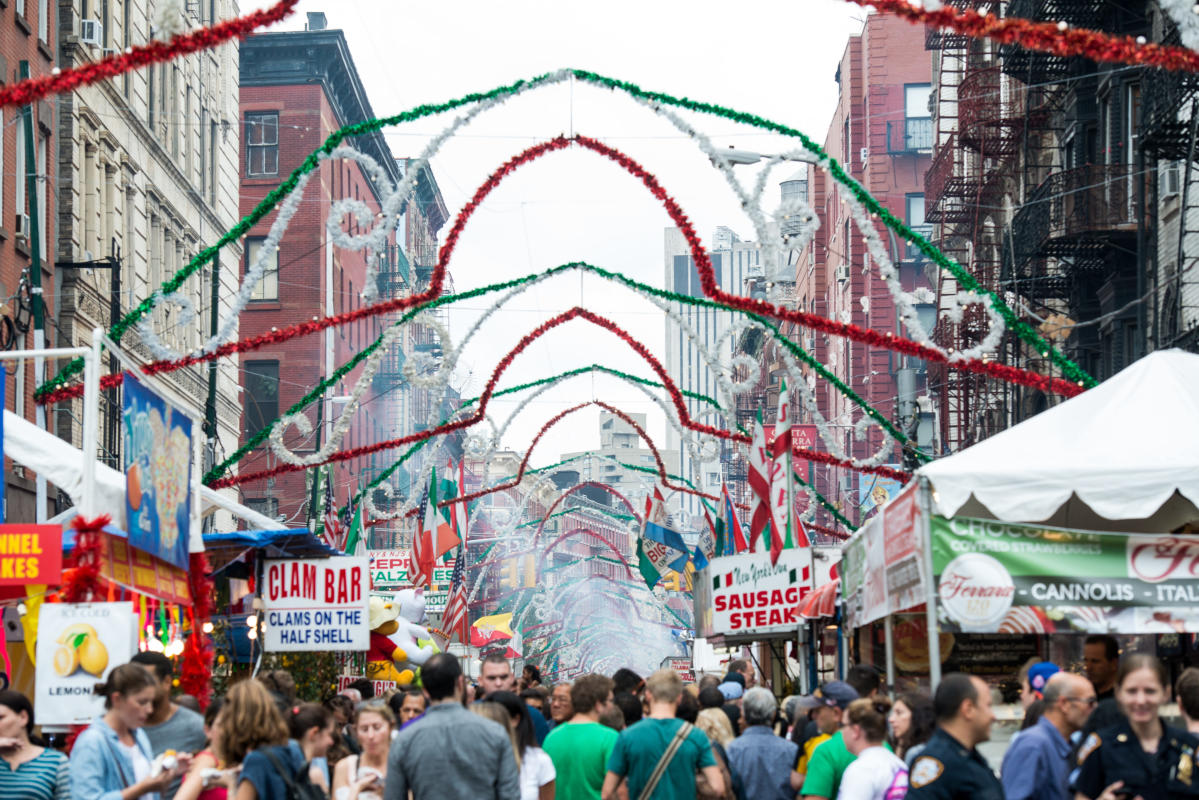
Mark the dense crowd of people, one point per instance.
(1098, 736)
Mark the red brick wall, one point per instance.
(305, 121)
(19, 41)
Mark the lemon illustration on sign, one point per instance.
(81, 647)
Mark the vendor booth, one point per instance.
(1077, 520)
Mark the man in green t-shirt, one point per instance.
(580, 746)
(822, 763)
(641, 746)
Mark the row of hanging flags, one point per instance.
(773, 521)
(437, 534)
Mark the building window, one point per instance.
(268, 287)
(262, 394)
(914, 216)
(262, 143)
(267, 506)
(43, 21)
(918, 121)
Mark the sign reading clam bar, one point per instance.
(317, 604)
(746, 595)
(997, 577)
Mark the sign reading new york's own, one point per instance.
(745, 594)
(1001, 577)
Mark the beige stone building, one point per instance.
(147, 176)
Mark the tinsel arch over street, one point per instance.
(548, 607)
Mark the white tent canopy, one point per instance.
(1122, 456)
(62, 465)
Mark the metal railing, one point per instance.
(913, 135)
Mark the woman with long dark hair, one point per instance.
(1141, 755)
(912, 722)
(29, 771)
(537, 773)
(112, 759)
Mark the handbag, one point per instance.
(660, 769)
(703, 789)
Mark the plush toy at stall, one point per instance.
(398, 646)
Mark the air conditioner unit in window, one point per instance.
(843, 272)
(864, 154)
(23, 225)
(91, 32)
(1172, 179)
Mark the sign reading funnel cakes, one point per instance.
(976, 591)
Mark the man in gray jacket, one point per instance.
(450, 752)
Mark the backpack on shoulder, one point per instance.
(300, 787)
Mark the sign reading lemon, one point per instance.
(78, 644)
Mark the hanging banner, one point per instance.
(30, 554)
(316, 604)
(143, 573)
(389, 570)
(158, 460)
(744, 595)
(996, 577)
(78, 644)
(902, 557)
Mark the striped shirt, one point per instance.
(44, 777)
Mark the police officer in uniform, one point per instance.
(950, 768)
(1141, 756)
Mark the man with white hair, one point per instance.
(763, 760)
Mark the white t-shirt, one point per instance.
(875, 771)
(141, 764)
(536, 770)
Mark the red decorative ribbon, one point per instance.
(703, 265)
(195, 672)
(33, 89)
(83, 583)
(676, 397)
(1045, 37)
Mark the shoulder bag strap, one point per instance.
(664, 762)
(116, 758)
(287, 781)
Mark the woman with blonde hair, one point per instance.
(253, 733)
(715, 724)
(361, 777)
(497, 713)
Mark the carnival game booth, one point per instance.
(1079, 520)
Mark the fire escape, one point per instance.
(1072, 249)
(1170, 133)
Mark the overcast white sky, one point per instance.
(776, 59)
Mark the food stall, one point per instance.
(1078, 520)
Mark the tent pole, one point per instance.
(924, 496)
(889, 642)
(91, 423)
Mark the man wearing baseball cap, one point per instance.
(825, 757)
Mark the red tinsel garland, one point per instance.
(34, 89)
(83, 583)
(703, 264)
(676, 397)
(1045, 37)
(195, 672)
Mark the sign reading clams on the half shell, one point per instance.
(997, 577)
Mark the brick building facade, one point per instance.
(27, 33)
(881, 132)
(296, 89)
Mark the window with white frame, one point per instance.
(262, 143)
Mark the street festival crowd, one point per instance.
(1099, 736)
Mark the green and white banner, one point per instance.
(997, 577)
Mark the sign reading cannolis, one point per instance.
(998, 577)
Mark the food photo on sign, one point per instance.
(78, 644)
(158, 461)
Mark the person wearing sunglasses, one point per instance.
(1036, 765)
